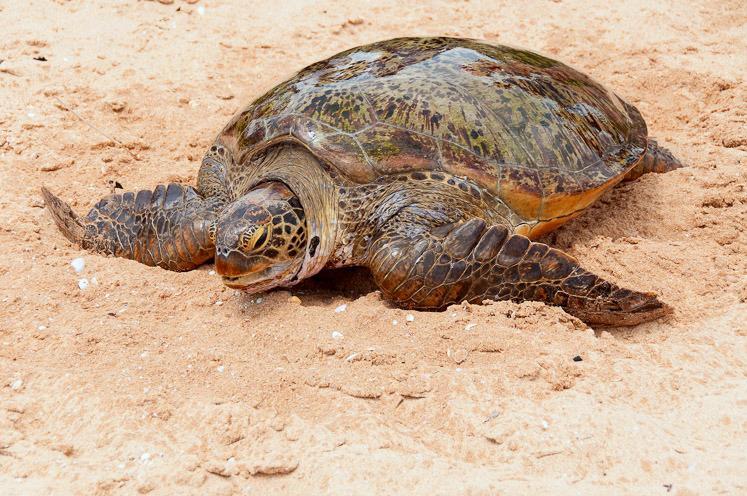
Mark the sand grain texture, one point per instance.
(163, 383)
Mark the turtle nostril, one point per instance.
(222, 251)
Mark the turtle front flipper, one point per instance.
(425, 268)
(171, 227)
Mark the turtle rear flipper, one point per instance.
(656, 159)
(424, 268)
(169, 227)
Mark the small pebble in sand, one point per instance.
(78, 264)
(469, 327)
(410, 317)
(220, 369)
(394, 322)
(218, 303)
(336, 335)
(16, 385)
(459, 355)
(201, 10)
(41, 327)
(341, 308)
(259, 300)
(119, 105)
(577, 358)
(545, 425)
(211, 273)
(145, 457)
(83, 283)
(295, 300)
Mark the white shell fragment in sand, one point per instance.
(341, 308)
(78, 264)
(83, 283)
(336, 335)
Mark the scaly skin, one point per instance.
(474, 262)
(168, 227)
(261, 239)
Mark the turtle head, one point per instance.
(260, 239)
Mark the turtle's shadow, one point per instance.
(333, 284)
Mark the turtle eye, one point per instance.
(253, 239)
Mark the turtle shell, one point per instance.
(542, 137)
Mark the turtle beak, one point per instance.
(232, 263)
(250, 274)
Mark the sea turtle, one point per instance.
(434, 162)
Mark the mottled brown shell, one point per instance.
(544, 138)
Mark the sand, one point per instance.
(162, 383)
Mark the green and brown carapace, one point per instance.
(434, 162)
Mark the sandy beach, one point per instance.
(153, 382)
